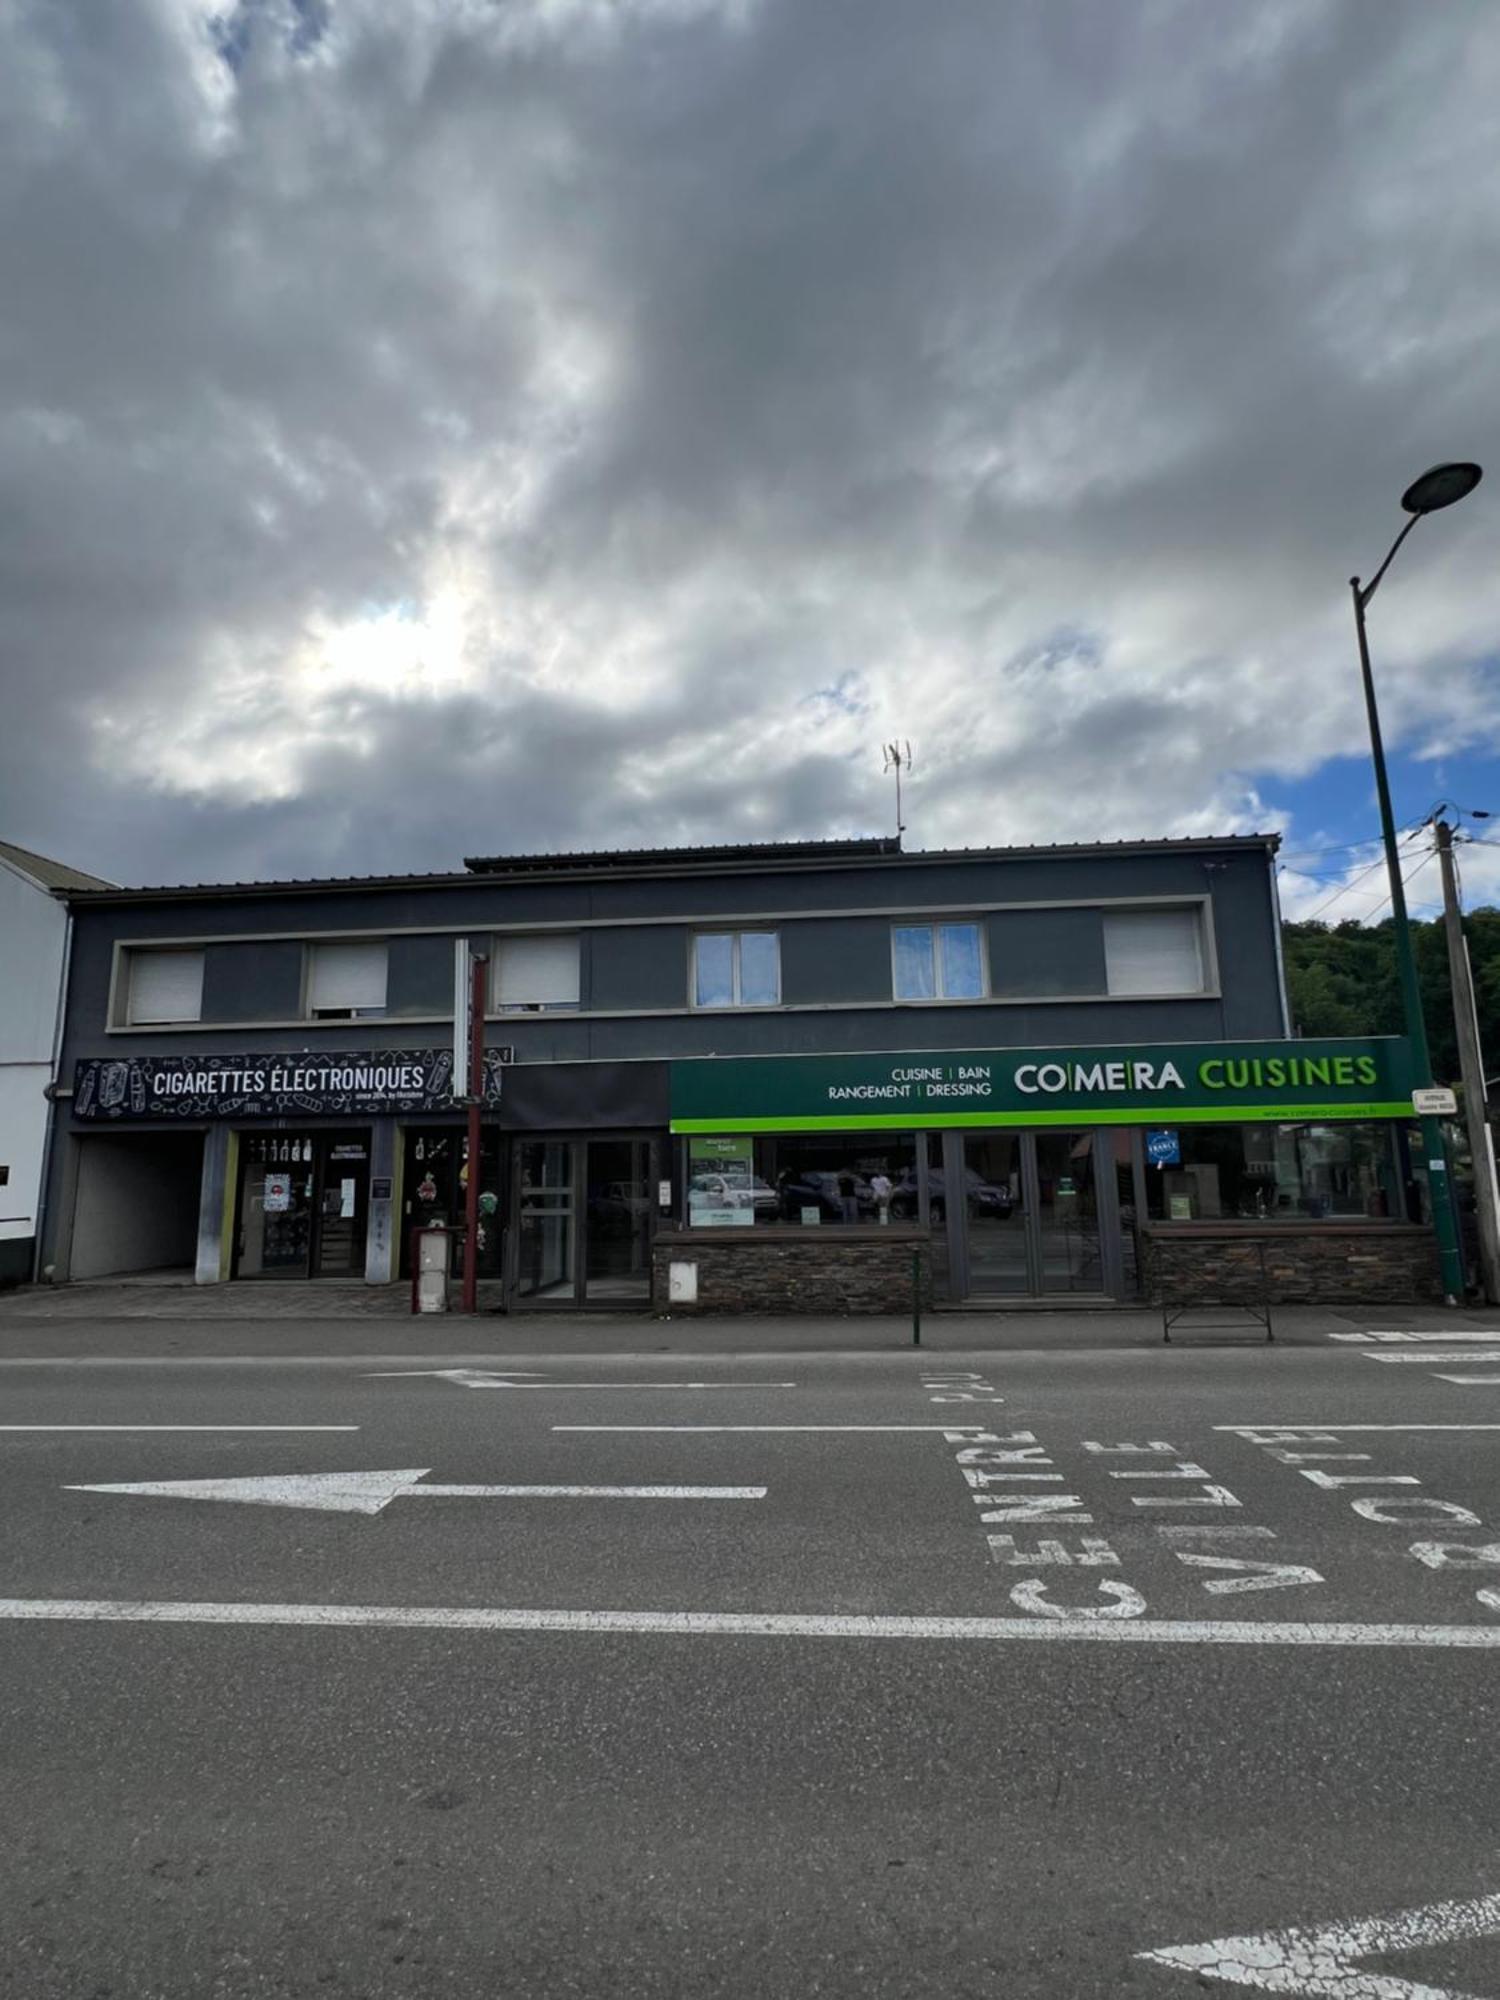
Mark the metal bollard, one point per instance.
(916, 1298)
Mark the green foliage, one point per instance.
(1342, 981)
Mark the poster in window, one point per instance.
(721, 1181)
(278, 1194)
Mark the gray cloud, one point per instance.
(432, 427)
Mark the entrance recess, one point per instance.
(583, 1212)
(1037, 1223)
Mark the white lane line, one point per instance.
(754, 1624)
(1473, 1381)
(179, 1427)
(1439, 1339)
(516, 1388)
(1428, 1357)
(1248, 1430)
(680, 1429)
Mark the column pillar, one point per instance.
(380, 1235)
(215, 1206)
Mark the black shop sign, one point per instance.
(343, 1083)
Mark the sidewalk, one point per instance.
(130, 1318)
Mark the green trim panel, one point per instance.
(1221, 1114)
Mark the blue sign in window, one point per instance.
(1164, 1148)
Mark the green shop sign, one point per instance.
(1172, 1083)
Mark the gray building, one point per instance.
(34, 932)
(715, 1076)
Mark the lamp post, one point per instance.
(1438, 488)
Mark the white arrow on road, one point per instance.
(1321, 1964)
(368, 1492)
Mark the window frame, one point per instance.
(309, 975)
(133, 955)
(496, 1009)
(1201, 914)
(734, 1004)
(938, 998)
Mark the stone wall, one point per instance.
(793, 1270)
(1316, 1263)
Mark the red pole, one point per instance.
(477, 970)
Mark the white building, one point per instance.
(34, 934)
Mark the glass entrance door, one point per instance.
(994, 1211)
(583, 1221)
(617, 1260)
(1067, 1213)
(546, 1224)
(1030, 1213)
(342, 1207)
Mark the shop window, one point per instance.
(1288, 1173)
(937, 962)
(1153, 951)
(737, 969)
(164, 986)
(824, 1180)
(435, 1182)
(346, 982)
(535, 975)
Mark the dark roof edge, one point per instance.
(622, 860)
(56, 877)
(755, 861)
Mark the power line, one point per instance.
(1331, 847)
(1352, 883)
(1405, 879)
(1350, 846)
(1355, 882)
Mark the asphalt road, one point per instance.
(853, 1727)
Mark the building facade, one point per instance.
(719, 1078)
(34, 929)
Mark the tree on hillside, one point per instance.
(1342, 981)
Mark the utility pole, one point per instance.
(1471, 1069)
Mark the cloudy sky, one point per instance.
(449, 426)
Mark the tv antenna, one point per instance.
(898, 759)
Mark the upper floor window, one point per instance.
(737, 969)
(1153, 952)
(535, 975)
(937, 962)
(347, 981)
(164, 986)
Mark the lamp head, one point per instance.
(1440, 486)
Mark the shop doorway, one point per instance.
(303, 1205)
(583, 1213)
(1038, 1217)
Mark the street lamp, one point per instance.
(1435, 489)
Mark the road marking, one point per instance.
(475, 1378)
(369, 1492)
(1248, 1430)
(1428, 1357)
(756, 1624)
(1471, 1380)
(1461, 1334)
(179, 1427)
(704, 1429)
(1322, 1963)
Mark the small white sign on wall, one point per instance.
(1434, 1103)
